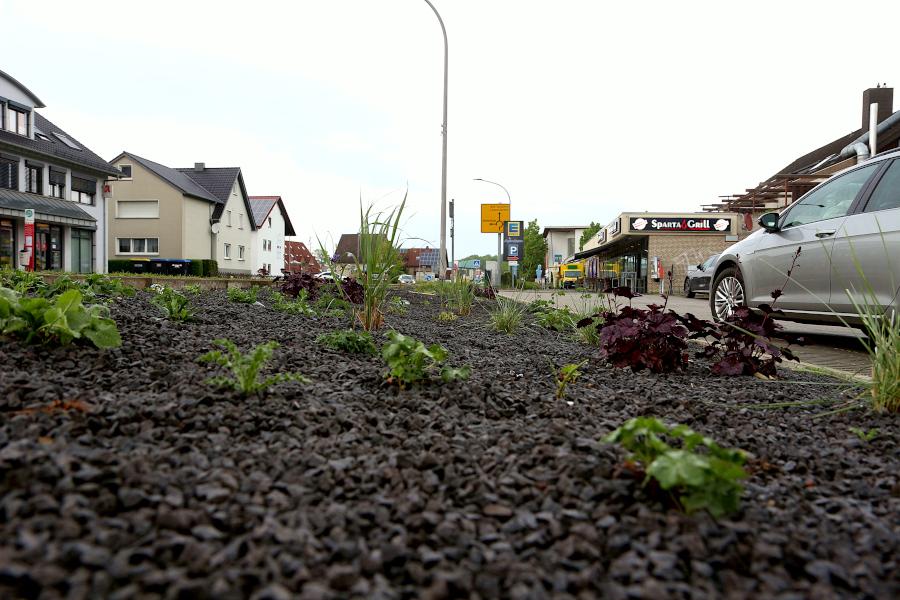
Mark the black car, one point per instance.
(698, 277)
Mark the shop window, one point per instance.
(82, 251)
(7, 244)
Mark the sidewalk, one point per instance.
(832, 347)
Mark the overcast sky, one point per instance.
(581, 108)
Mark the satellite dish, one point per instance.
(215, 228)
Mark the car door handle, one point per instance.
(826, 233)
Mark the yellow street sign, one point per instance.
(493, 216)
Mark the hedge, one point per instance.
(118, 266)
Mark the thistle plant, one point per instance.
(244, 369)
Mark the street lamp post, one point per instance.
(499, 235)
(442, 261)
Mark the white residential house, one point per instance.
(562, 244)
(46, 170)
(272, 226)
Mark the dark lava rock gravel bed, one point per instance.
(122, 475)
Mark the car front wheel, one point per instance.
(727, 293)
(687, 288)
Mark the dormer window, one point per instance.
(16, 120)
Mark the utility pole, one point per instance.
(452, 238)
(442, 261)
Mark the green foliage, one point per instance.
(23, 282)
(409, 361)
(590, 333)
(297, 306)
(446, 315)
(118, 266)
(535, 250)
(173, 304)
(331, 305)
(507, 314)
(353, 342)
(567, 374)
(397, 305)
(707, 480)
(461, 296)
(588, 233)
(865, 436)
(245, 368)
(378, 262)
(210, 268)
(195, 267)
(557, 319)
(61, 321)
(193, 289)
(247, 296)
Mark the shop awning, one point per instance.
(53, 210)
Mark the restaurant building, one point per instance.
(638, 249)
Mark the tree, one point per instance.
(535, 250)
(588, 233)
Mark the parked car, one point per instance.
(406, 278)
(324, 276)
(698, 278)
(847, 232)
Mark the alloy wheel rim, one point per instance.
(729, 294)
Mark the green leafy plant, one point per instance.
(245, 368)
(409, 361)
(557, 319)
(589, 334)
(298, 306)
(61, 321)
(173, 304)
(446, 315)
(103, 285)
(397, 305)
(461, 296)
(23, 282)
(247, 296)
(865, 436)
(700, 475)
(507, 315)
(566, 375)
(193, 289)
(353, 342)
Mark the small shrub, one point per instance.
(193, 289)
(557, 319)
(61, 321)
(210, 267)
(409, 361)
(118, 266)
(507, 315)
(350, 341)
(485, 291)
(707, 480)
(173, 304)
(247, 296)
(245, 368)
(566, 375)
(446, 315)
(295, 283)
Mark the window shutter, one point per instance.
(88, 186)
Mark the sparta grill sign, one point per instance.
(679, 224)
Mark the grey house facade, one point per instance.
(45, 169)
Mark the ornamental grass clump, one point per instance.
(244, 369)
(409, 361)
(377, 261)
(507, 315)
(697, 475)
(60, 321)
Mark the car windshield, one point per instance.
(710, 261)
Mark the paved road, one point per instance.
(834, 347)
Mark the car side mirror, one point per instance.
(700, 266)
(769, 222)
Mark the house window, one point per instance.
(57, 184)
(227, 251)
(137, 209)
(228, 218)
(17, 121)
(34, 177)
(83, 190)
(9, 173)
(126, 171)
(270, 222)
(240, 253)
(240, 220)
(138, 246)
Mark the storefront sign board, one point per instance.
(680, 224)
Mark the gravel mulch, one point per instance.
(123, 475)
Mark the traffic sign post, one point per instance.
(28, 249)
(493, 217)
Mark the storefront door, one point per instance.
(82, 251)
(7, 244)
(48, 247)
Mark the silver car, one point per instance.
(848, 232)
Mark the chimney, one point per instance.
(199, 167)
(884, 97)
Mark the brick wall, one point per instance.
(678, 252)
